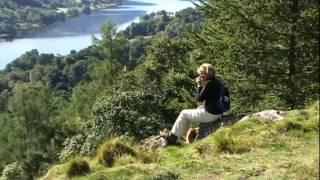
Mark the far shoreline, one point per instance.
(25, 32)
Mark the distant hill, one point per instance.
(17, 17)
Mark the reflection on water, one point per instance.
(86, 24)
(75, 33)
(90, 24)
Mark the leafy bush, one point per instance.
(113, 149)
(131, 113)
(130, 140)
(145, 101)
(77, 166)
(16, 170)
(270, 100)
(72, 146)
(134, 113)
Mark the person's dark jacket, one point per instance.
(210, 94)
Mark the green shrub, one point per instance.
(135, 114)
(132, 114)
(72, 146)
(270, 100)
(16, 171)
(130, 140)
(77, 166)
(113, 149)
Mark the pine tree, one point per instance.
(34, 131)
(112, 44)
(264, 47)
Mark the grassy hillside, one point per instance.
(253, 149)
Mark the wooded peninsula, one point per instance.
(19, 17)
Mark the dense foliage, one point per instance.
(267, 50)
(49, 102)
(16, 170)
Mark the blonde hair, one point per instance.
(208, 68)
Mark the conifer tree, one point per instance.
(34, 131)
(263, 48)
(112, 44)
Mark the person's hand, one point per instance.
(203, 82)
(199, 81)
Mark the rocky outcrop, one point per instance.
(269, 115)
(154, 142)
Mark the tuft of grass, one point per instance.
(113, 149)
(125, 160)
(241, 137)
(227, 142)
(77, 166)
(313, 109)
(303, 172)
(147, 157)
(289, 124)
(131, 171)
(204, 149)
(302, 121)
(166, 176)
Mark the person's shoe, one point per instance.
(181, 141)
(172, 139)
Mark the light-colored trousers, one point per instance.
(188, 116)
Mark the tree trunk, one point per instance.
(292, 53)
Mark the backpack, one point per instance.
(223, 102)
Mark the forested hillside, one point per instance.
(19, 16)
(133, 83)
(46, 98)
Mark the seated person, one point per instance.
(208, 91)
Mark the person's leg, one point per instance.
(187, 117)
(182, 123)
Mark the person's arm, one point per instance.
(203, 91)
